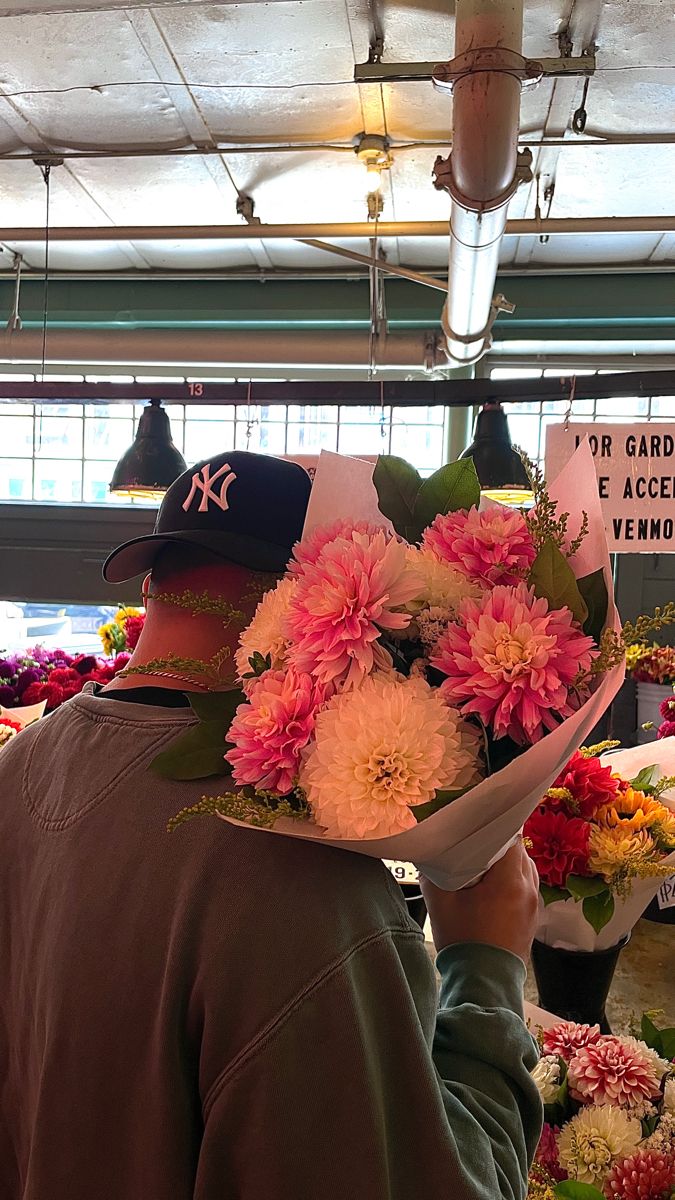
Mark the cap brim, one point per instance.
(138, 556)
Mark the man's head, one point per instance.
(244, 509)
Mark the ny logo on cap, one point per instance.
(203, 482)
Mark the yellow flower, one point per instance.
(105, 634)
(632, 811)
(635, 653)
(123, 613)
(611, 849)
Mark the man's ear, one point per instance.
(145, 589)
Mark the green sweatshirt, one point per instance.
(225, 1014)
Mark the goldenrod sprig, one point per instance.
(545, 523)
(201, 604)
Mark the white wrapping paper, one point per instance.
(562, 924)
(24, 714)
(459, 843)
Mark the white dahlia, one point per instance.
(669, 1096)
(546, 1075)
(266, 632)
(594, 1140)
(442, 586)
(381, 750)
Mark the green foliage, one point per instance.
(201, 604)
(451, 488)
(550, 895)
(545, 523)
(197, 754)
(440, 800)
(644, 779)
(259, 664)
(571, 1189)
(647, 624)
(553, 578)
(594, 593)
(397, 484)
(580, 887)
(660, 1040)
(598, 910)
(216, 706)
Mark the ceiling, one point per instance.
(199, 96)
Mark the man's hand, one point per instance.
(500, 910)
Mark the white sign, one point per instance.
(666, 893)
(635, 466)
(403, 872)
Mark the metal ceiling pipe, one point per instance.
(481, 173)
(212, 347)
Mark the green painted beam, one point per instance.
(571, 305)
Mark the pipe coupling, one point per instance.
(487, 60)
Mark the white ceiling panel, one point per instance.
(572, 250)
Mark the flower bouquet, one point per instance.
(667, 711)
(8, 730)
(120, 636)
(424, 669)
(651, 663)
(609, 1106)
(602, 839)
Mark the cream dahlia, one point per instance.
(611, 1071)
(491, 547)
(647, 1175)
(669, 1096)
(565, 1038)
(513, 661)
(546, 1075)
(272, 729)
(357, 588)
(596, 1138)
(443, 587)
(380, 751)
(266, 633)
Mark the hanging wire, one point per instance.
(383, 415)
(46, 170)
(15, 323)
(249, 416)
(570, 402)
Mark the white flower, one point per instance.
(266, 633)
(658, 1066)
(6, 732)
(546, 1075)
(381, 750)
(669, 1097)
(663, 1138)
(443, 587)
(594, 1140)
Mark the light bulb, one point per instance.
(374, 178)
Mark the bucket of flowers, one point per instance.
(609, 1114)
(653, 669)
(422, 672)
(39, 680)
(603, 840)
(121, 634)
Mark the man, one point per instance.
(220, 1013)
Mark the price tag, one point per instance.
(666, 893)
(403, 872)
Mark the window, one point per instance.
(66, 453)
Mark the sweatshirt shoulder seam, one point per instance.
(269, 1031)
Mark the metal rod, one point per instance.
(379, 263)
(452, 393)
(422, 72)
(359, 229)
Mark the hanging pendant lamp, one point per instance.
(500, 471)
(152, 463)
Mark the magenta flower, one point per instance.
(271, 730)
(343, 602)
(547, 1152)
(513, 662)
(491, 547)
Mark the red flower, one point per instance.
(590, 784)
(667, 729)
(65, 677)
(133, 627)
(121, 661)
(11, 724)
(559, 845)
(84, 664)
(646, 1175)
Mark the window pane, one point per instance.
(369, 415)
(525, 433)
(107, 437)
(58, 480)
(10, 409)
(363, 439)
(310, 439)
(97, 476)
(422, 445)
(626, 406)
(210, 412)
(663, 406)
(432, 415)
(327, 413)
(16, 479)
(203, 439)
(58, 437)
(16, 436)
(268, 438)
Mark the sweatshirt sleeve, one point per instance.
(363, 1090)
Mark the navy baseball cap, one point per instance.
(245, 508)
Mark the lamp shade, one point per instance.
(499, 468)
(152, 463)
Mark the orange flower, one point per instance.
(633, 811)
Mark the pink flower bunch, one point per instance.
(270, 732)
(565, 1038)
(308, 551)
(490, 547)
(547, 1152)
(667, 710)
(513, 662)
(613, 1071)
(646, 1175)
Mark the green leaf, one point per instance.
(197, 754)
(594, 593)
(648, 1032)
(553, 578)
(397, 484)
(667, 1044)
(644, 778)
(440, 800)
(572, 1189)
(453, 487)
(216, 706)
(598, 910)
(580, 887)
(550, 894)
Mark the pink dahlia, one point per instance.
(491, 547)
(567, 1037)
(547, 1152)
(343, 602)
(270, 732)
(610, 1071)
(591, 785)
(646, 1175)
(306, 552)
(512, 661)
